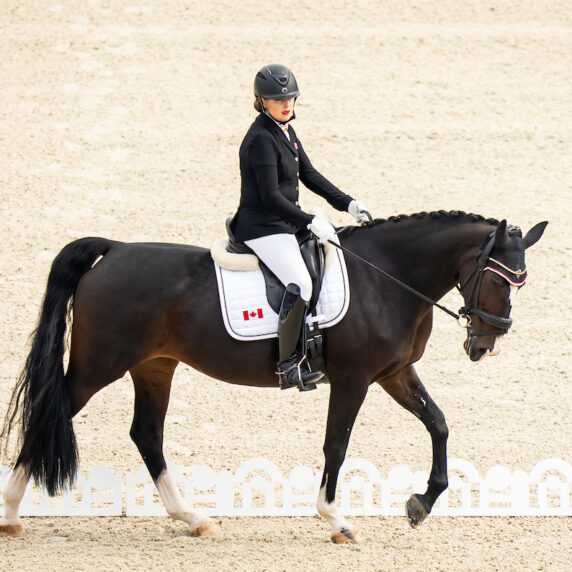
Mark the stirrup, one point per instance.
(291, 374)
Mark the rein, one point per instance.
(399, 282)
(501, 325)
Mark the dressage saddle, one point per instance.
(312, 253)
(314, 258)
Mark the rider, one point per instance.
(272, 160)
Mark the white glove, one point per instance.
(358, 211)
(322, 229)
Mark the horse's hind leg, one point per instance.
(406, 388)
(10, 524)
(15, 488)
(152, 381)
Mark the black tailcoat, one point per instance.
(270, 168)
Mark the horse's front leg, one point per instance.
(345, 402)
(406, 388)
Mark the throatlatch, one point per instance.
(293, 368)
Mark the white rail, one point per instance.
(259, 488)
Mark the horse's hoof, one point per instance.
(14, 530)
(415, 511)
(206, 528)
(344, 536)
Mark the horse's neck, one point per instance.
(425, 254)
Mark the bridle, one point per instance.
(500, 324)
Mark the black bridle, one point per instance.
(500, 324)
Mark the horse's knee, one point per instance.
(438, 427)
(442, 431)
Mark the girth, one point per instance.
(312, 254)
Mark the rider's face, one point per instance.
(279, 109)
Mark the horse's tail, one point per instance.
(40, 402)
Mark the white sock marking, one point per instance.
(13, 494)
(175, 504)
(330, 511)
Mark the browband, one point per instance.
(513, 277)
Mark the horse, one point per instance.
(144, 307)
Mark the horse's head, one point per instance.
(489, 287)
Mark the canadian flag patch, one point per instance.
(252, 314)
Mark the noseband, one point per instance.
(500, 324)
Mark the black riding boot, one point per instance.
(293, 369)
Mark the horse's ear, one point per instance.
(534, 234)
(501, 234)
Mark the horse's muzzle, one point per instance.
(501, 325)
(475, 353)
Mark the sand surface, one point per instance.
(123, 120)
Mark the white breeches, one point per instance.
(281, 253)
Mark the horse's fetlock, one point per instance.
(440, 483)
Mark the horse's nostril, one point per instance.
(477, 354)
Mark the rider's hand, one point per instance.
(322, 229)
(359, 211)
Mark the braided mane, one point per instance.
(437, 215)
(460, 216)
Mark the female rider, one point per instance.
(272, 161)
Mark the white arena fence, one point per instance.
(259, 488)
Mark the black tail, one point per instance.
(40, 401)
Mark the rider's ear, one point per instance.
(501, 234)
(534, 234)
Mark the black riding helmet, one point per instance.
(275, 81)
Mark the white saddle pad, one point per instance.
(247, 314)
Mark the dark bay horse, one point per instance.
(143, 308)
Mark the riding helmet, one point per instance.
(275, 81)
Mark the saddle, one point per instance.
(314, 258)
